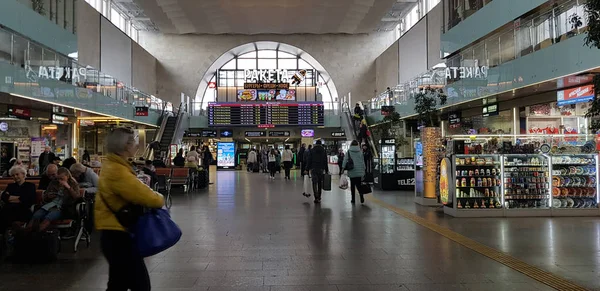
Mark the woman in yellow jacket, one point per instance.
(118, 186)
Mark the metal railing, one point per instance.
(462, 10)
(42, 63)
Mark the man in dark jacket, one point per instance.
(317, 164)
(46, 158)
(300, 157)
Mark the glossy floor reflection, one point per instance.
(247, 232)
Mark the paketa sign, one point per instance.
(467, 72)
(575, 95)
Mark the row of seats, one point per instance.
(77, 225)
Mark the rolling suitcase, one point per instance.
(327, 182)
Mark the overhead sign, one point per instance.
(59, 119)
(192, 134)
(19, 112)
(255, 133)
(209, 133)
(279, 133)
(454, 119)
(85, 122)
(141, 110)
(386, 110)
(212, 85)
(277, 86)
(62, 73)
(307, 133)
(338, 134)
(3, 126)
(467, 72)
(226, 133)
(575, 95)
(490, 110)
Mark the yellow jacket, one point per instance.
(119, 186)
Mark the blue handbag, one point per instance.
(155, 232)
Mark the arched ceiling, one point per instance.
(270, 16)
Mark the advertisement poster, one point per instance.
(37, 146)
(575, 95)
(247, 95)
(307, 133)
(225, 155)
(444, 181)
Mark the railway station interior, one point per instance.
(404, 145)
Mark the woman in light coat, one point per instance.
(357, 173)
(252, 160)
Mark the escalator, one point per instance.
(168, 134)
(350, 125)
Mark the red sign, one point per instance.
(575, 95)
(22, 112)
(212, 85)
(266, 126)
(141, 111)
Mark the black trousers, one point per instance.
(272, 168)
(317, 181)
(354, 183)
(288, 166)
(126, 268)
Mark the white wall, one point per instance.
(115, 52)
(413, 51)
(434, 32)
(184, 59)
(88, 34)
(386, 66)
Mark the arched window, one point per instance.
(230, 76)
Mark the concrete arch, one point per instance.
(265, 45)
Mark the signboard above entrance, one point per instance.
(277, 86)
(575, 95)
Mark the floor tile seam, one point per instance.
(551, 280)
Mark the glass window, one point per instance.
(229, 66)
(267, 64)
(114, 15)
(284, 55)
(289, 64)
(302, 64)
(267, 54)
(251, 54)
(246, 63)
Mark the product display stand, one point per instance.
(521, 185)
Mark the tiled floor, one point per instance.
(250, 233)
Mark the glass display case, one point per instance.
(526, 182)
(574, 182)
(405, 173)
(385, 166)
(477, 182)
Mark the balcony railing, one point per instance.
(532, 34)
(41, 63)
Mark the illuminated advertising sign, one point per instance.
(575, 95)
(225, 155)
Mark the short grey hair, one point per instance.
(117, 140)
(17, 169)
(78, 168)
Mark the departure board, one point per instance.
(270, 113)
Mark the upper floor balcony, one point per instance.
(32, 71)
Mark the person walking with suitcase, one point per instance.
(317, 165)
(287, 157)
(354, 164)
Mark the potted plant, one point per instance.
(426, 102)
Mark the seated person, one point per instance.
(150, 171)
(96, 162)
(48, 176)
(59, 200)
(68, 162)
(86, 177)
(158, 162)
(18, 198)
(179, 160)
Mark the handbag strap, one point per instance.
(349, 157)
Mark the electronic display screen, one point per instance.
(307, 133)
(269, 113)
(225, 155)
